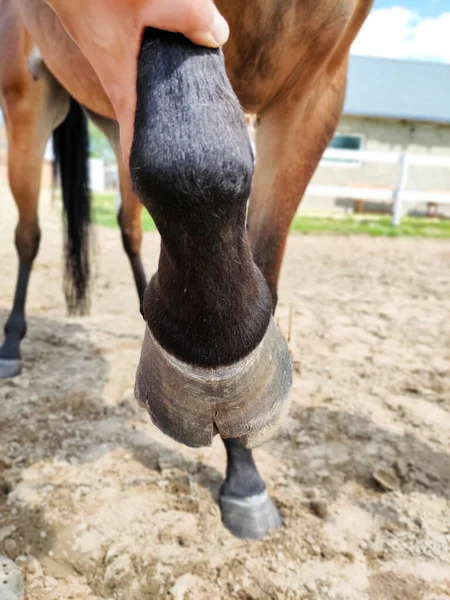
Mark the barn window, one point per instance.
(350, 143)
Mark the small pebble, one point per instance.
(22, 558)
(386, 478)
(311, 494)
(349, 556)
(311, 586)
(363, 546)
(34, 567)
(10, 547)
(419, 522)
(323, 474)
(319, 508)
(422, 479)
(5, 532)
(401, 467)
(403, 521)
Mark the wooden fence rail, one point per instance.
(398, 195)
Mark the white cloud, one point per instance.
(398, 32)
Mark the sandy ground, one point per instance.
(96, 503)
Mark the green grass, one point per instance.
(377, 226)
(105, 213)
(374, 225)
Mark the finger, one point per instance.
(198, 20)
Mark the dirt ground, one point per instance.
(96, 503)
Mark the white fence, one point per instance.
(97, 174)
(96, 169)
(398, 196)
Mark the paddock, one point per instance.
(96, 503)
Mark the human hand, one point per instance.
(109, 33)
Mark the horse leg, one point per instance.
(31, 115)
(24, 169)
(247, 510)
(289, 143)
(129, 216)
(213, 360)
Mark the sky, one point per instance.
(413, 29)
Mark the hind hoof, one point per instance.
(9, 368)
(250, 518)
(11, 580)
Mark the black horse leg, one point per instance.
(15, 327)
(247, 510)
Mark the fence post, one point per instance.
(118, 200)
(397, 207)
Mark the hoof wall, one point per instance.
(246, 400)
(250, 518)
(11, 580)
(9, 368)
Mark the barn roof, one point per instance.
(398, 89)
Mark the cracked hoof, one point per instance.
(9, 367)
(246, 400)
(11, 580)
(250, 518)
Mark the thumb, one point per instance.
(198, 20)
(206, 26)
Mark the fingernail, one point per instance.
(220, 30)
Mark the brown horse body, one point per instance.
(287, 63)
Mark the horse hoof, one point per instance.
(250, 518)
(11, 580)
(246, 400)
(9, 368)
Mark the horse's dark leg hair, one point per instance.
(27, 244)
(242, 479)
(191, 165)
(16, 327)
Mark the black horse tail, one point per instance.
(71, 163)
